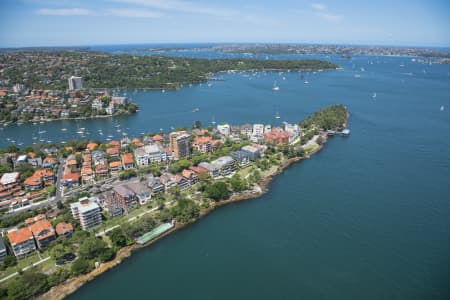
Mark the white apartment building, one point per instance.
(87, 211)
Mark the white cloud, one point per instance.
(329, 16)
(319, 6)
(129, 13)
(134, 13)
(322, 11)
(65, 12)
(184, 6)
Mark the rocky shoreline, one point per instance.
(71, 285)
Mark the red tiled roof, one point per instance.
(20, 235)
(63, 228)
(41, 226)
(127, 158)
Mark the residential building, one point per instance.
(213, 170)
(224, 129)
(127, 161)
(101, 171)
(180, 144)
(119, 100)
(112, 205)
(225, 164)
(168, 180)
(87, 211)
(43, 233)
(253, 151)
(202, 144)
(115, 167)
(258, 129)
(155, 184)
(64, 229)
(32, 220)
(22, 241)
(3, 252)
(182, 182)
(113, 152)
(143, 193)
(9, 185)
(241, 157)
(190, 175)
(246, 130)
(39, 179)
(75, 83)
(125, 196)
(277, 137)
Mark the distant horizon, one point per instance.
(444, 47)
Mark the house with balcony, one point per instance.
(22, 241)
(43, 233)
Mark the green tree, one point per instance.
(217, 191)
(28, 285)
(10, 261)
(118, 237)
(59, 251)
(91, 247)
(106, 255)
(237, 183)
(81, 266)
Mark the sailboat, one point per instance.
(442, 108)
(306, 82)
(374, 95)
(277, 115)
(213, 121)
(275, 86)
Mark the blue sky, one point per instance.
(89, 22)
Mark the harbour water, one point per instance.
(366, 218)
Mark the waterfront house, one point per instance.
(91, 146)
(241, 157)
(9, 184)
(277, 137)
(225, 164)
(253, 150)
(224, 129)
(190, 175)
(87, 211)
(246, 129)
(182, 182)
(43, 233)
(113, 152)
(64, 229)
(180, 144)
(168, 181)
(213, 170)
(202, 144)
(258, 129)
(22, 241)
